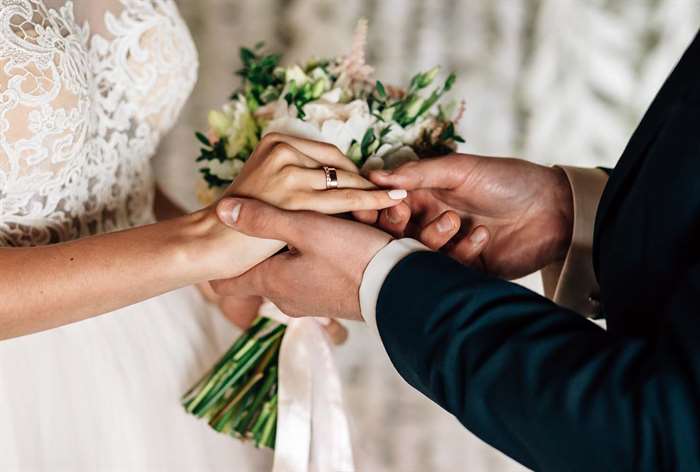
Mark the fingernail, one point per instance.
(398, 194)
(445, 224)
(235, 212)
(381, 173)
(478, 236)
(229, 211)
(323, 321)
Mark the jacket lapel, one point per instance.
(623, 175)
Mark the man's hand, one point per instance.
(322, 272)
(508, 216)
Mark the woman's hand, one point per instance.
(288, 173)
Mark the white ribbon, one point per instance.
(313, 432)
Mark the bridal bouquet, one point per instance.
(334, 100)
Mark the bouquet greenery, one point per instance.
(332, 100)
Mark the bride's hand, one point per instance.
(283, 173)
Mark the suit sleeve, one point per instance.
(572, 282)
(539, 382)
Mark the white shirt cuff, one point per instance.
(376, 273)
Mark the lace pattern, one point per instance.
(81, 115)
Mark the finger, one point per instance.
(326, 154)
(333, 202)
(316, 179)
(368, 217)
(469, 250)
(255, 282)
(441, 230)
(240, 310)
(439, 172)
(395, 219)
(258, 219)
(335, 331)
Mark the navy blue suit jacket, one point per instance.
(541, 383)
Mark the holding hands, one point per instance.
(508, 217)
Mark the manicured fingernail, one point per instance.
(398, 194)
(478, 236)
(445, 224)
(229, 211)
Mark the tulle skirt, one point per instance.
(103, 394)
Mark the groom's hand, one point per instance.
(322, 272)
(508, 216)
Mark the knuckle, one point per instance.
(357, 198)
(289, 176)
(272, 137)
(282, 153)
(332, 149)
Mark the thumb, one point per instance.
(260, 220)
(440, 172)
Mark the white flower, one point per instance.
(208, 195)
(226, 170)
(334, 123)
(296, 75)
(332, 96)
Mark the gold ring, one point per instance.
(331, 177)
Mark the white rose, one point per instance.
(337, 124)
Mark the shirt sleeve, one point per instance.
(376, 273)
(572, 282)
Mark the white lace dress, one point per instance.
(86, 93)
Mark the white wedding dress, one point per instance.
(86, 93)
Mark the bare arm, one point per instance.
(49, 286)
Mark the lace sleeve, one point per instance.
(148, 49)
(44, 105)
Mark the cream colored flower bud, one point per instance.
(220, 123)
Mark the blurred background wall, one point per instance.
(553, 81)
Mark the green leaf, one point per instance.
(384, 132)
(448, 133)
(381, 90)
(247, 56)
(367, 141)
(259, 45)
(203, 139)
(449, 83)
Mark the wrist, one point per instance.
(211, 250)
(194, 240)
(563, 207)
